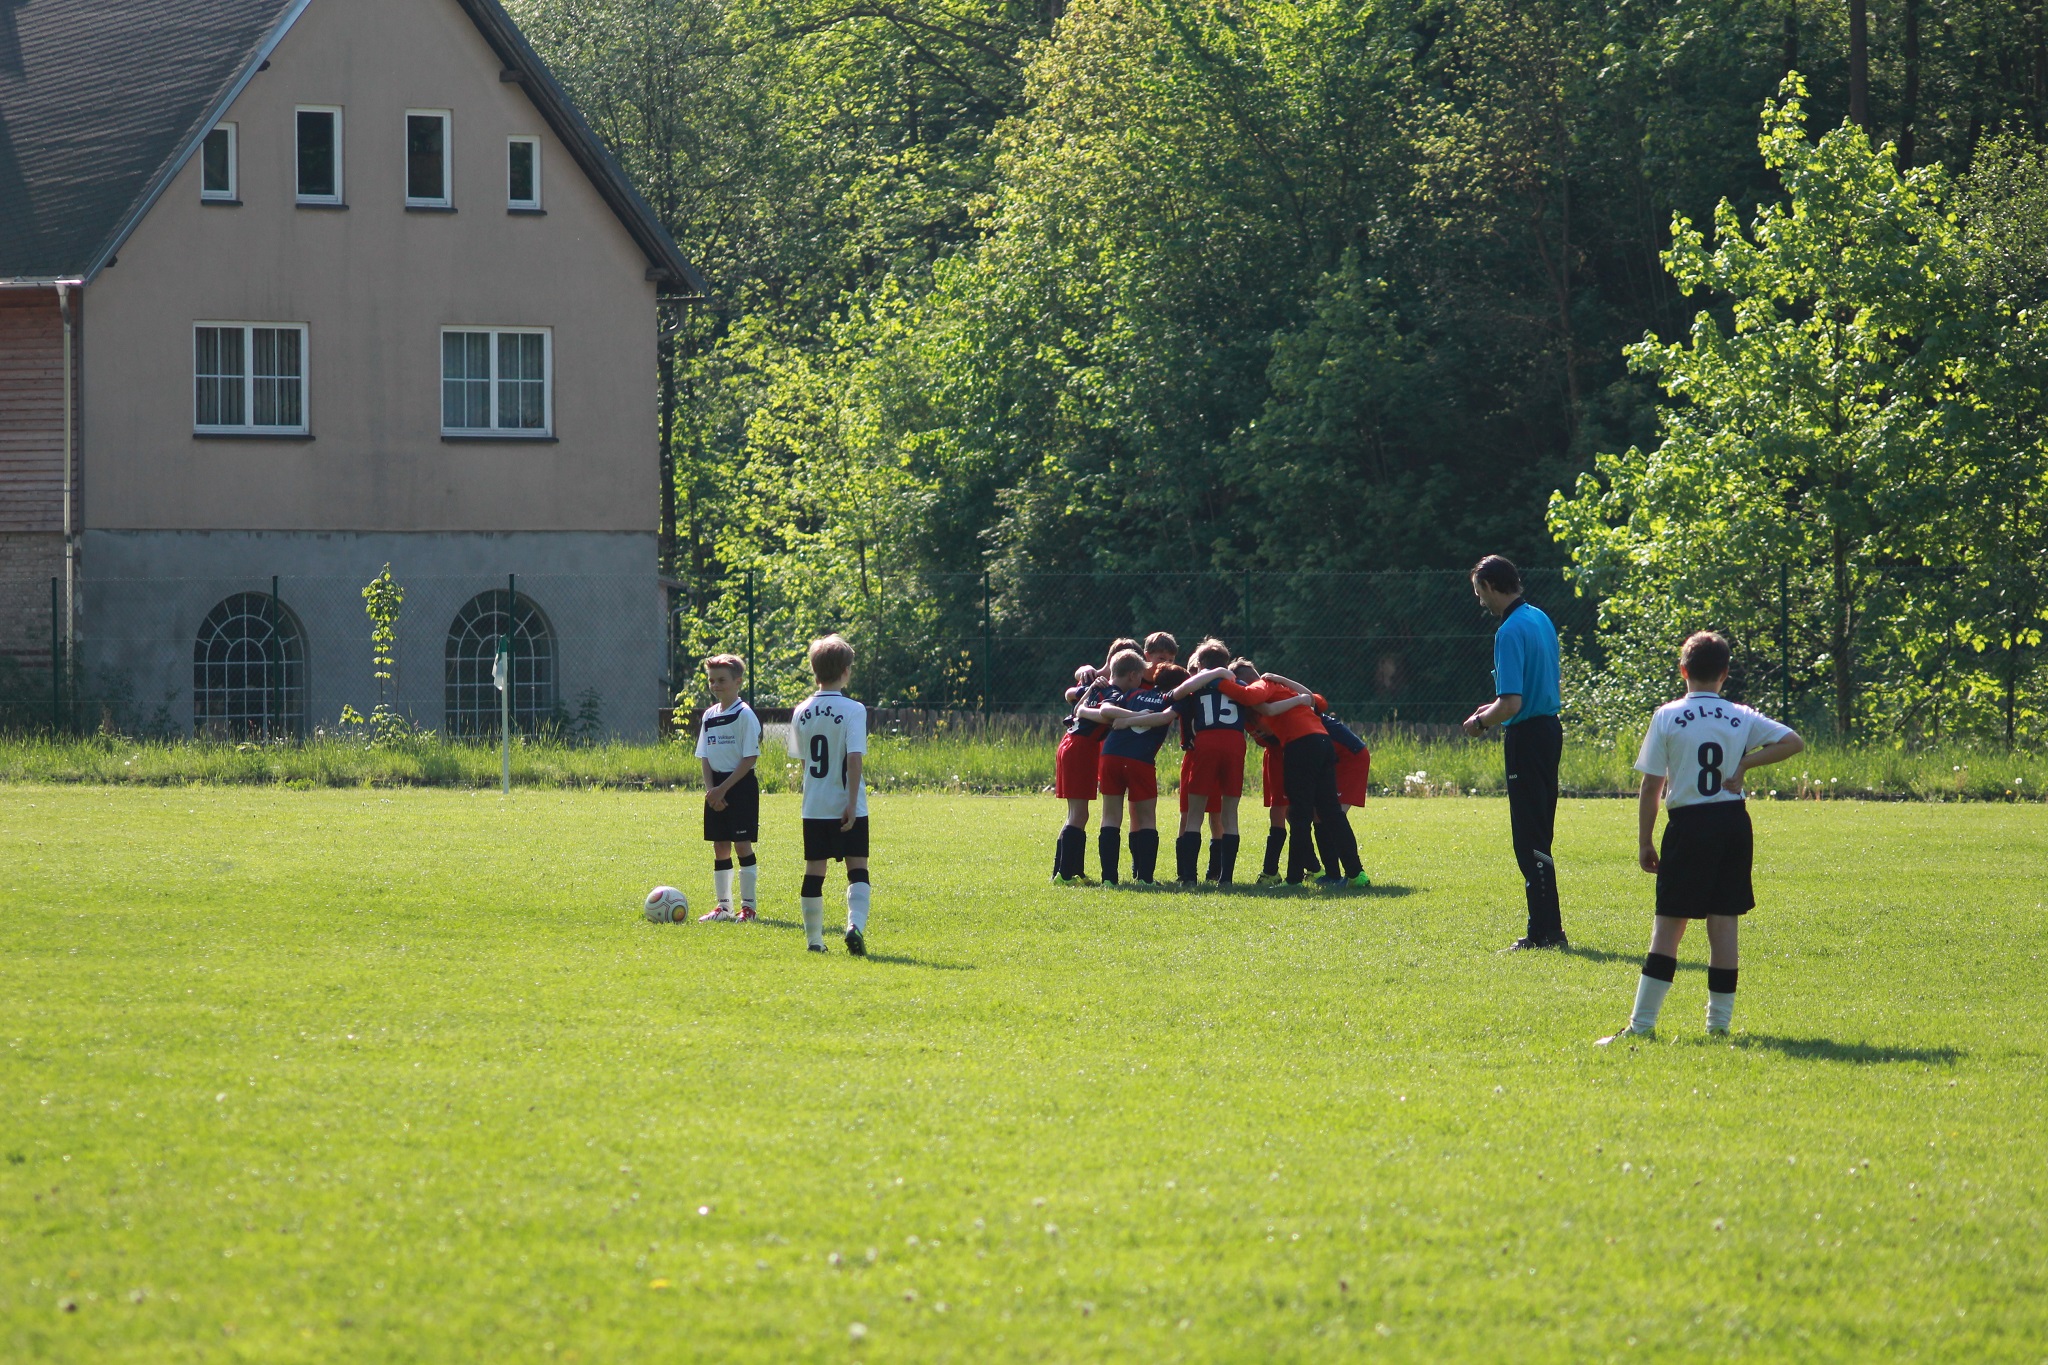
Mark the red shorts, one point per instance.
(1272, 778)
(1187, 763)
(1352, 772)
(1215, 766)
(1132, 777)
(1073, 773)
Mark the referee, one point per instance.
(1525, 681)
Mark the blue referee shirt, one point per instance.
(1525, 661)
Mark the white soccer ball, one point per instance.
(666, 905)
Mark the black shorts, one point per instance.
(1704, 866)
(740, 821)
(824, 841)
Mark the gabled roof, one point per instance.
(102, 102)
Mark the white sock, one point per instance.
(749, 879)
(1650, 993)
(857, 906)
(814, 920)
(721, 878)
(1720, 1009)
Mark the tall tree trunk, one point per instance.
(1843, 629)
(1859, 64)
(2012, 686)
(1791, 38)
(1910, 111)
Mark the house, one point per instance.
(337, 284)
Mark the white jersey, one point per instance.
(728, 734)
(826, 729)
(1695, 743)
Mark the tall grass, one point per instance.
(1403, 764)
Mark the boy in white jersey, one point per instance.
(831, 732)
(1693, 759)
(729, 745)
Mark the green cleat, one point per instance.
(1362, 879)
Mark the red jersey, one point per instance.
(1289, 725)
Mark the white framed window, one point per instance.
(522, 172)
(249, 378)
(497, 381)
(217, 170)
(317, 153)
(428, 159)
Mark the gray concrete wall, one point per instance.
(145, 594)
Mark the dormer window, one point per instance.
(522, 174)
(217, 165)
(319, 153)
(427, 159)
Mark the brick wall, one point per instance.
(31, 468)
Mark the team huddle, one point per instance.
(1314, 769)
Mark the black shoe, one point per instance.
(1328, 879)
(855, 944)
(816, 947)
(1531, 942)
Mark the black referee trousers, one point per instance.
(1308, 767)
(1533, 749)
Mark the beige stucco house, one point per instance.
(340, 283)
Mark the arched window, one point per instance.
(473, 652)
(249, 671)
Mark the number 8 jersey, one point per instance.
(826, 729)
(1696, 743)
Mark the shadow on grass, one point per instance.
(1279, 891)
(1633, 959)
(898, 960)
(1856, 1054)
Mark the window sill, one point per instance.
(519, 211)
(212, 202)
(500, 437)
(430, 208)
(252, 435)
(318, 204)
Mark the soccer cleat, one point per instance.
(746, 915)
(855, 943)
(1717, 1030)
(1268, 879)
(1361, 880)
(1331, 879)
(719, 915)
(1078, 879)
(1628, 1032)
(1529, 943)
(815, 947)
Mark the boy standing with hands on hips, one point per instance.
(1693, 759)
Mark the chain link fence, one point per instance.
(607, 657)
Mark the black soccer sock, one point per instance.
(1187, 856)
(1215, 859)
(1658, 967)
(749, 860)
(721, 864)
(1144, 854)
(1059, 855)
(1721, 980)
(1109, 846)
(1720, 998)
(1276, 842)
(1226, 859)
(813, 886)
(1073, 851)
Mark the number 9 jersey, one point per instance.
(1696, 743)
(826, 729)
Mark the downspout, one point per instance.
(70, 465)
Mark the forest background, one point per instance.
(1125, 287)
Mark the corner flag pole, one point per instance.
(502, 676)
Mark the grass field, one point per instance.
(403, 1076)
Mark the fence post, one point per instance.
(750, 637)
(274, 668)
(1784, 643)
(56, 659)
(511, 681)
(988, 650)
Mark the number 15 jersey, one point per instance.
(827, 728)
(1696, 743)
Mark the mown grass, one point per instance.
(404, 1076)
(1403, 765)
